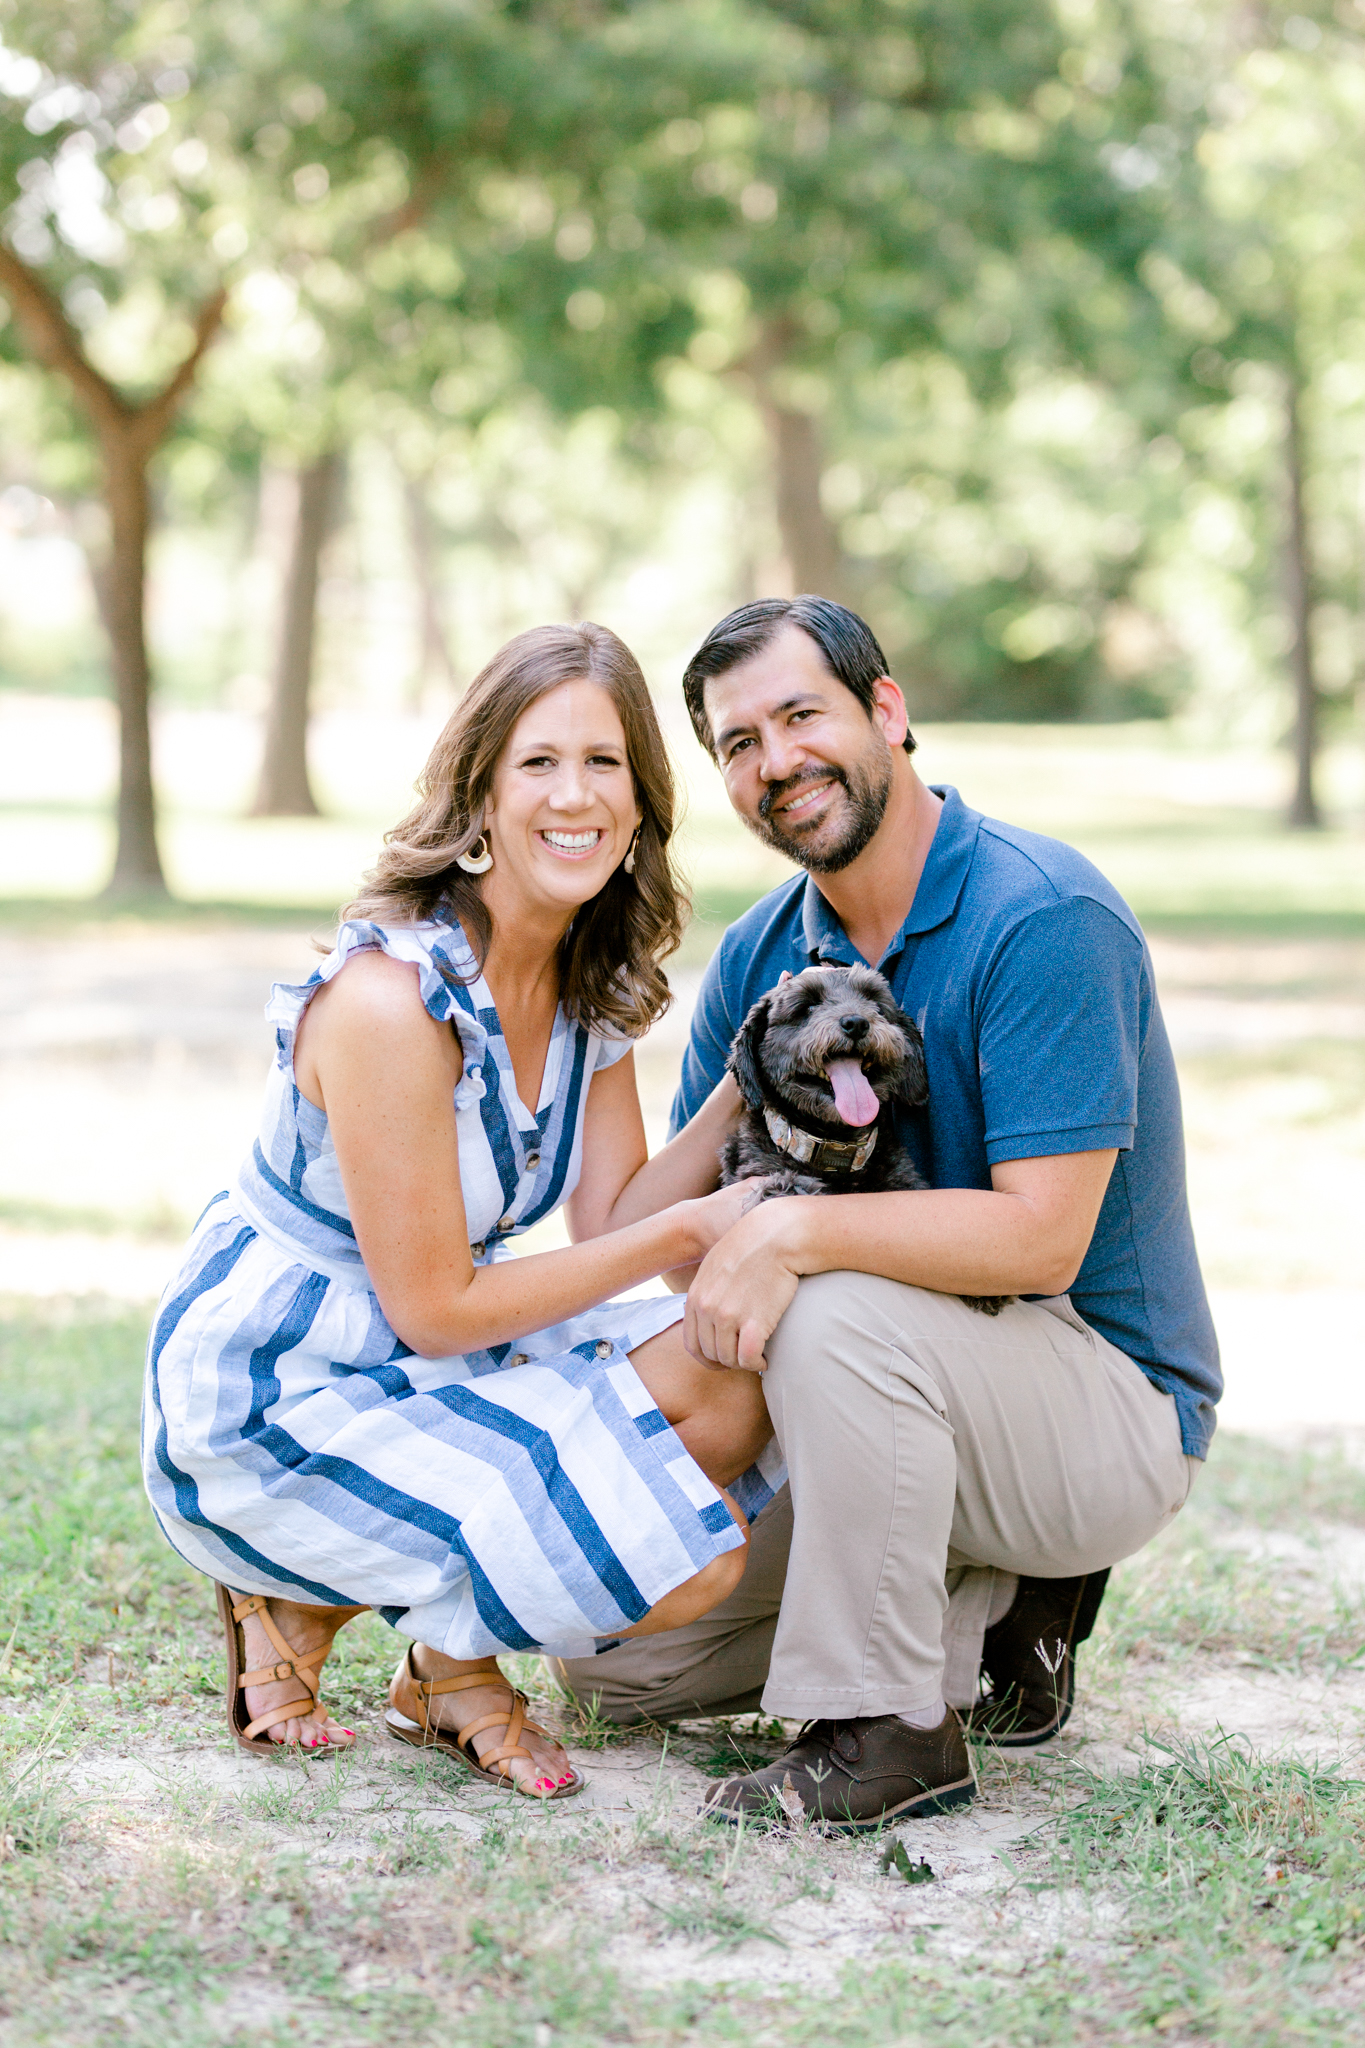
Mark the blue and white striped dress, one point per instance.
(526, 1496)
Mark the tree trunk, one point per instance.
(123, 579)
(129, 436)
(433, 656)
(809, 540)
(284, 790)
(1304, 814)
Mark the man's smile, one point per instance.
(796, 802)
(803, 801)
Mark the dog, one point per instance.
(820, 1061)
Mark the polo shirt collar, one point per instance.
(936, 897)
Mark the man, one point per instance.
(959, 1485)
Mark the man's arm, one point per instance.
(1026, 1235)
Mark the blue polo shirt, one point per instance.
(1032, 984)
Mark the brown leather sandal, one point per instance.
(408, 1719)
(250, 1735)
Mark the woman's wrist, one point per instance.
(693, 1239)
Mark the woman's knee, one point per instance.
(696, 1596)
(714, 1582)
(726, 1430)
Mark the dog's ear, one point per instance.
(912, 1075)
(743, 1060)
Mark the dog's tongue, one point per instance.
(853, 1097)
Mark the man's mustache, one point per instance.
(780, 791)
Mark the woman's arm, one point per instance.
(619, 1185)
(385, 1072)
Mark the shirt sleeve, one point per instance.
(610, 1048)
(1060, 1034)
(708, 1045)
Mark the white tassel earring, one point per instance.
(629, 861)
(478, 858)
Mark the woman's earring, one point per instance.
(629, 862)
(478, 858)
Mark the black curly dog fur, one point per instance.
(780, 1058)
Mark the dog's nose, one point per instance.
(854, 1027)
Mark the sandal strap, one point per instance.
(513, 1721)
(289, 1711)
(257, 1604)
(306, 1671)
(473, 1728)
(496, 1759)
(270, 1674)
(430, 1687)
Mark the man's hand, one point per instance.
(1027, 1234)
(745, 1284)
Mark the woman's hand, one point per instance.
(745, 1284)
(717, 1213)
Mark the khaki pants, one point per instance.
(931, 1450)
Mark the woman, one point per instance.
(356, 1398)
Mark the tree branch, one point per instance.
(56, 343)
(156, 415)
(425, 190)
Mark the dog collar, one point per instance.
(824, 1154)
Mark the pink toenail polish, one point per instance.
(545, 1784)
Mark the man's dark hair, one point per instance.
(847, 643)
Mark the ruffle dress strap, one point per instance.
(443, 959)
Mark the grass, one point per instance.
(1203, 1893)
(1231, 1869)
(1162, 1888)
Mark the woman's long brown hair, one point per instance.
(610, 970)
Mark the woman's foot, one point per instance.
(545, 1770)
(309, 1631)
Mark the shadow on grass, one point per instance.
(714, 910)
(30, 913)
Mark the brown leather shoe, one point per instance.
(1028, 1660)
(852, 1776)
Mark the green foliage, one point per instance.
(1024, 281)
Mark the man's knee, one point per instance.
(836, 1320)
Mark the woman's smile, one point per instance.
(571, 845)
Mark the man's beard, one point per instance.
(868, 783)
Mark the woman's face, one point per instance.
(563, 809)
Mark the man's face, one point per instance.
(805, 767)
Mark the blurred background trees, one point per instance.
(1031, 327)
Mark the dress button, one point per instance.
(477, 1250)
(506, 1222)
(602, 1348)
(519, 1358)
(533, 1160)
